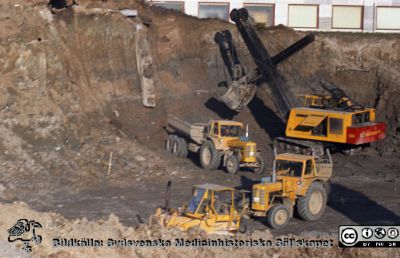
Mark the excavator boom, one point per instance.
(266, 66)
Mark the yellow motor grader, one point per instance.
(212, 208)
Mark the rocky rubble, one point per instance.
(54, 226)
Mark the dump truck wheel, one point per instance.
(209, 157)
(168, 143)
(232, 164)
(311, 206)
(278, 216)
(261, 162)
(175, 146)
(183, 147)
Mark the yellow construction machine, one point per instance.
(300, 181)
(214, 141)
(297, 181)
(333, 121)
(212, 208)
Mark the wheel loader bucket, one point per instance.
(238, 95)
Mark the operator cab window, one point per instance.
(360, 118)
(308, 167)
(230, 131)
(197, 196)
(222, 202)
(335, 126)
(289, 168)
(215, 129)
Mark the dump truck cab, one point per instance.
(212, 208)
(229, 137)
(295, 177)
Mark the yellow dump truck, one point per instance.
(215, 141)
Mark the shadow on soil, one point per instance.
(220, 109)
(359, 208)
(266, 118)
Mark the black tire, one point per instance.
(311, 206)
(175, 146)
(243, 225)
(261, 168)
(168, 143)
(278, 216)
(183, 147)
(232, 164)
(209, 156)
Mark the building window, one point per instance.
(178, 6)
(261, 13)
(214, 10)
(347, 17)
(303, 16)
(388, 18)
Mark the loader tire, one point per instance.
(243, 225)
(183, 147)
(278, 216)
(232, 164)
(311, 206)
(261, 162)
(209, 156)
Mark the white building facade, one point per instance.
(323, 15)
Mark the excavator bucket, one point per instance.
(238, 95)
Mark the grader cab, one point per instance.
(212, 208)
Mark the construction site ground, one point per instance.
(76, 140)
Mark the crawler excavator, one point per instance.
(334, 121)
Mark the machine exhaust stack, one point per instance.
(167, 196)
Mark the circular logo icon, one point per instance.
(349, 236)
(367, 233)
(392, 233)
(380, 233)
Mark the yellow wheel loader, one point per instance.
(216, 141)
(212, 208)
(298, 181)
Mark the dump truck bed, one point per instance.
(196, 132)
